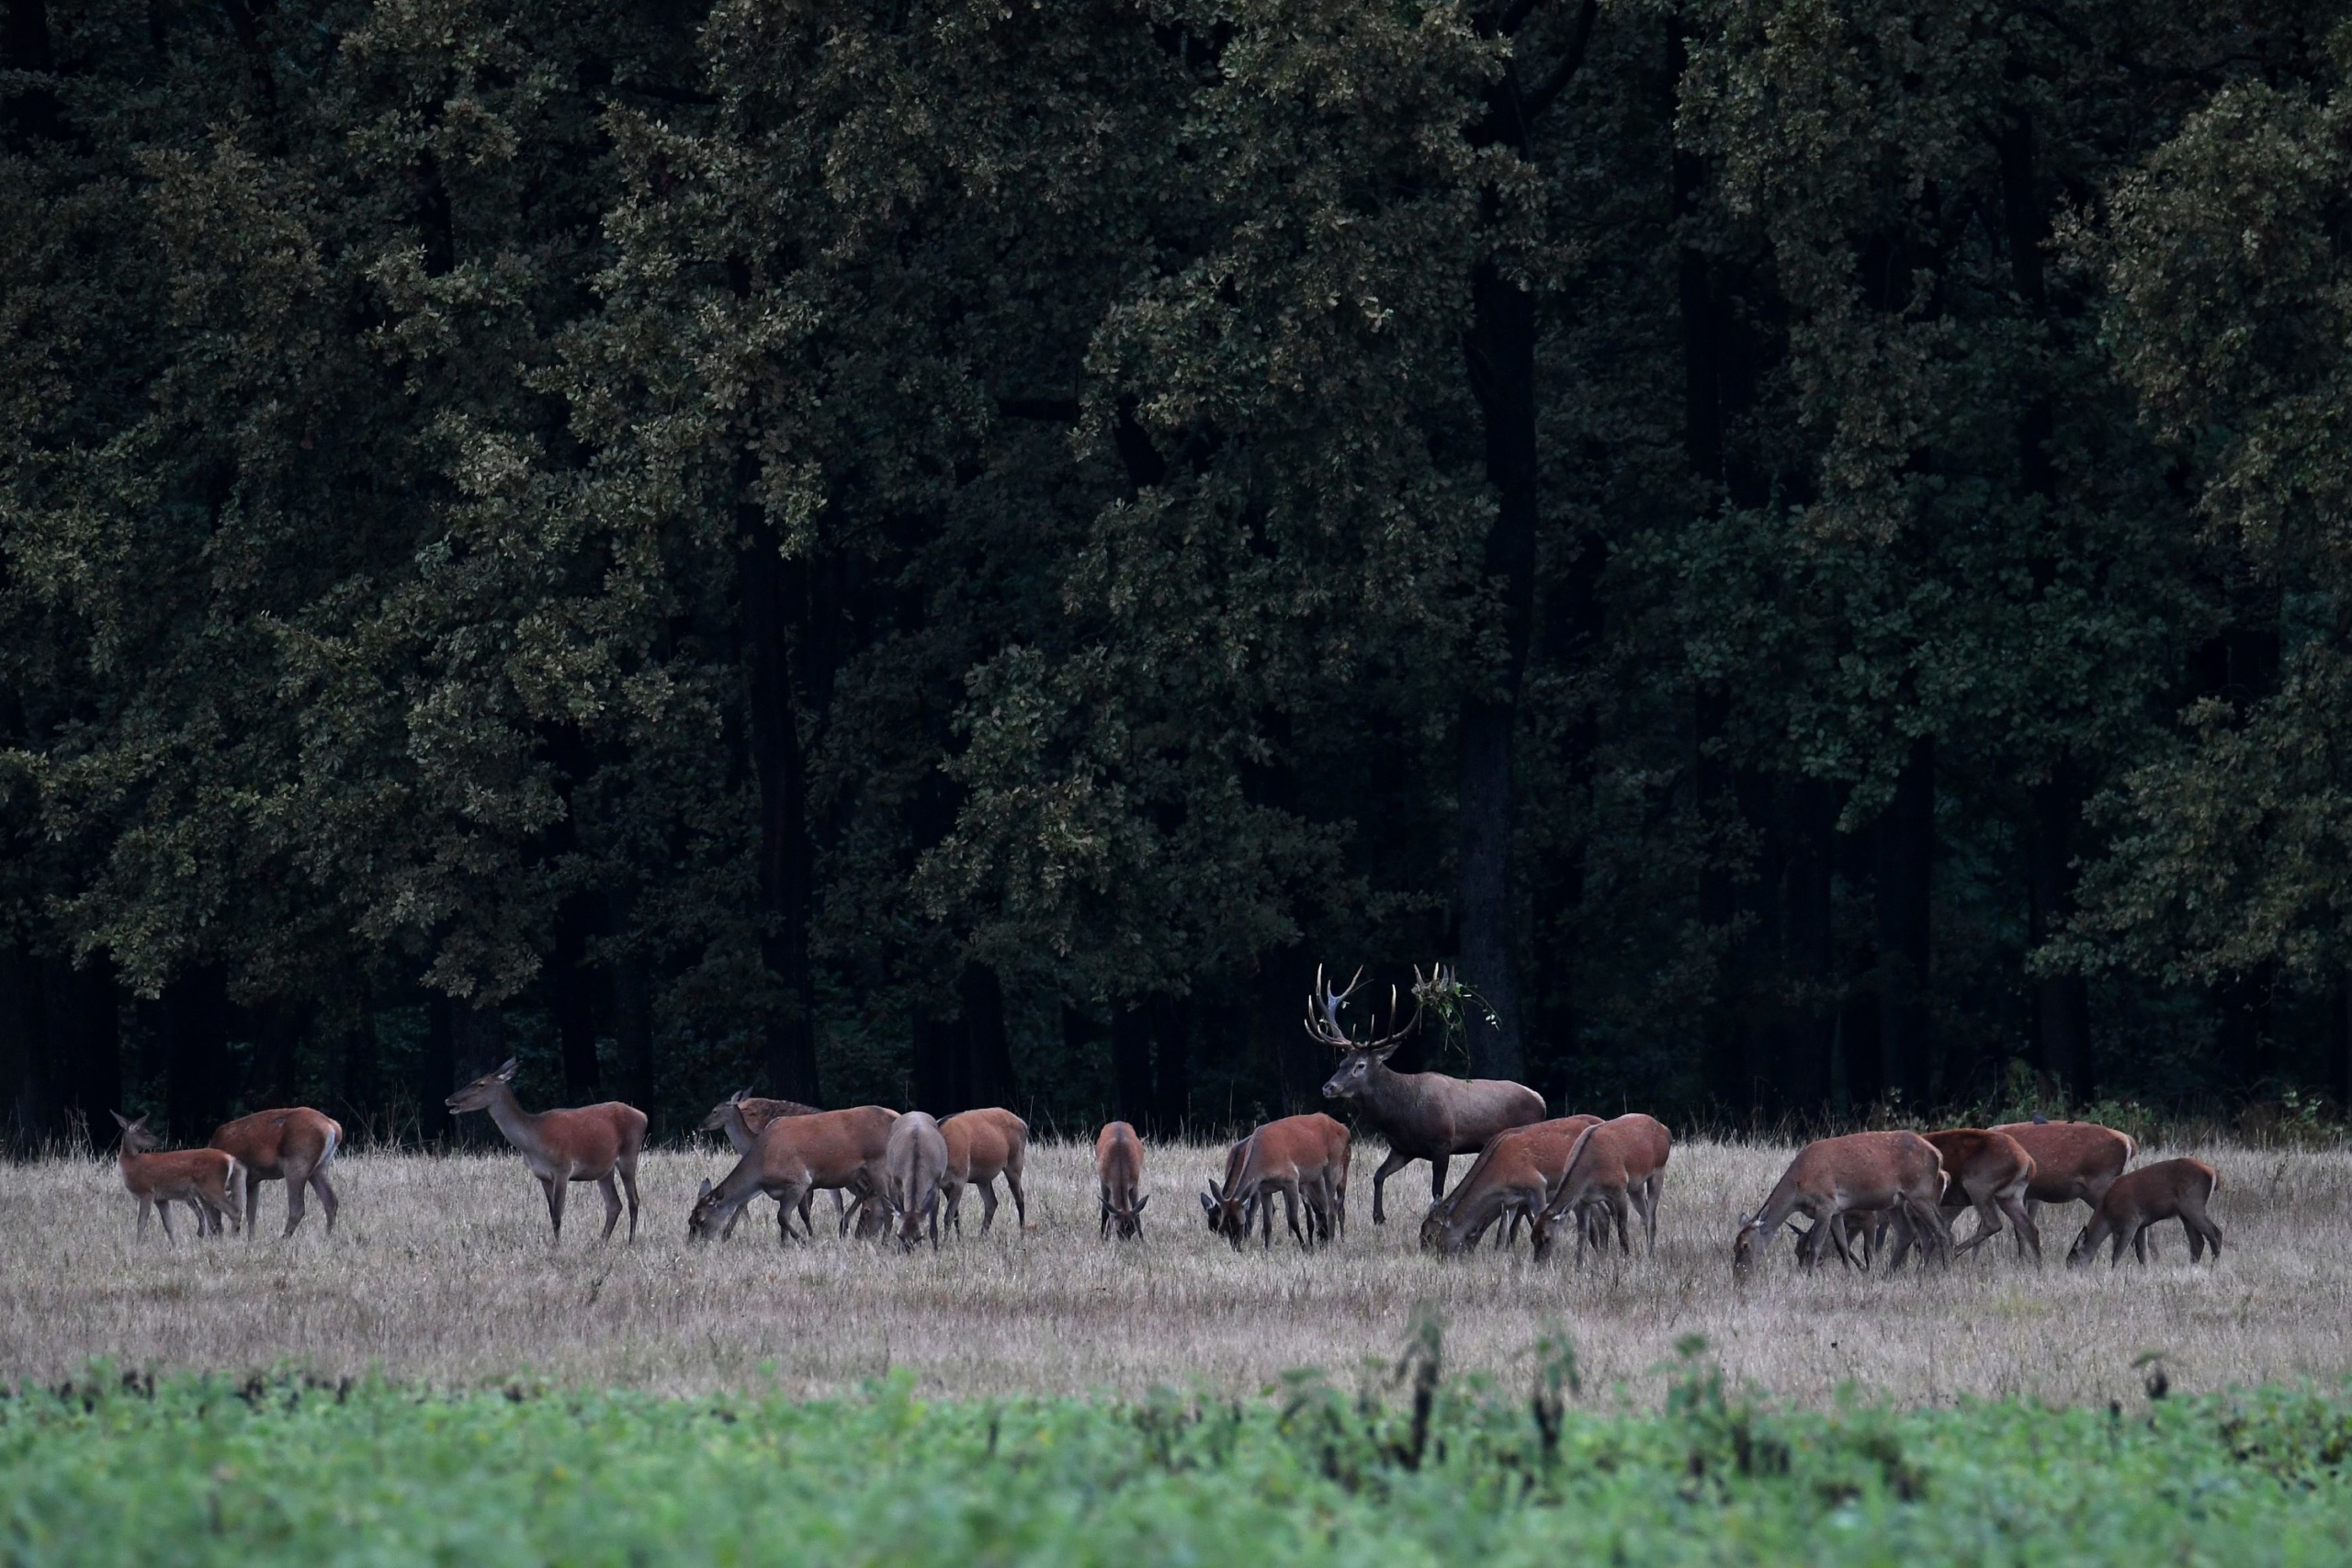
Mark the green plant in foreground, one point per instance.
(204, 1469)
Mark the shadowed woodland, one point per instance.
(949, 555)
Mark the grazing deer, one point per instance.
(295, 1145)
(1512, 1178)
(982, 1145)
(793, 1157)
(1861, 1170)
(1992, 1173)
(594, 1143)
(1617, 1165)
(1118, 1166)
(1423, 1115)
(2073, 1161)
(2168, 1190)
(743, 1116)
(914, 1169)
(1301, 1157)
(210, 1181)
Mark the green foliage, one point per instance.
(277, 1471)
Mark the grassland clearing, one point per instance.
(439, 1273)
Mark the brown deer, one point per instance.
(1298, 1157)
(1992, 1173)
(743, 1116)
(1617, 1165)
(914, 1169)
(982, 1145)
(1861, 1170)
(295, 1145)
(2168, 1190)
(1118, 1166)
(210, 1181)
(1423, 1115)
(593, 1143)
(793, 1157)
(1511, 1179)
(2073, 1161)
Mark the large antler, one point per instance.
(1323, 1014)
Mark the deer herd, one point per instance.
(903, 1175)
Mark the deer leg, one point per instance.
(1290, 1212)
(1441, 1166)
(1388, 1167)
(2027, 1236)
(1618, 1205)
(1020, 1199)
(987, 1205)
(1988, 1224)
(556, 1186)
(320, 1185)
(144, 1207)
(296, 1180)
(1655, 1188)
(253, 1205)
(2138, 1243)
(163, 1213)
(628, 1184)
(611, 1189)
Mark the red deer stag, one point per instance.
(982, 1145)
(1118, 1166)
(593, 1143)
(1992, 1173)
(1423, 1115)
(1615, 1166)
(793, 1157)
(295, 1145)
(1861, 1170)
(210, 1181)
(2168, 1190)
(743, 1116)
(1511, 1179)
(914, 1169)
(1302, 1158)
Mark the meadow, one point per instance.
(440, 1275)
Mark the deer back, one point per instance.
(915, 1156)
(1979, 1160)
(1294, 1145)
(834, 1145)
(983, 1144)
(2072, 1160)
(267, 1142)
(2157, 1191)
(1118, 1158)
(177, 1175)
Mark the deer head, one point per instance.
(483, 1090)
(136, 1138)
(703, 1222)
(1357, 1057)
(1127, 1224)
(1743, 1246)
(722, 1113)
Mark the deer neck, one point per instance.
(521, 1126)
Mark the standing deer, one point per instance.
(793, 1157)
(1512, 1179)
(914, 1169)
(1991, 1172)
(2168, 1190)
(594, 1143)
(743, 1116)
(982, 1145)
(2073, 1161)
(1118, 1166)
(1423, 1115)
(1861, 1170)
(1302, 1158)
(210, 1181)
(1617, 1165)
(295, 1145)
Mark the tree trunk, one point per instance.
(990, 1048)
(1277, 1025)
(1500, 353)
(1722, 1072)
(197, 1092)
(24, 1052)
(278, 1027)
(1906, 848)
(477, 1041)
(1805, 1089)
(633, 1017)
(358, 1094)
(935, 1057)
(572, 994)
(1131, 1089)
(2061, 1010)
(437, 1071)
(97, 1047)
(774, 600)
(1172, 1098)
(2244, 1005)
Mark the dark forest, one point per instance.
(953, 556)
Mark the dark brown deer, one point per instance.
(210, 1181)
(743, 1116)
(2168, 1190)
(792, 1157)
(1423, 1115)
(295, 1145)
(1118, 1166)
(1293, 1156)
(2073, 1161)
(593, 1143)
(1511, 1179)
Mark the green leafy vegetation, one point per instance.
(110, 1469)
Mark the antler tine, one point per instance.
(1327, 1002)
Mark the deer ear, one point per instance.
(1387, 1050)
(1208, 1204)
(705, 1190)
(1140, 1202)
(117, 1119)
(506, 1073)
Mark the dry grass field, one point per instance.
(440, 1272)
